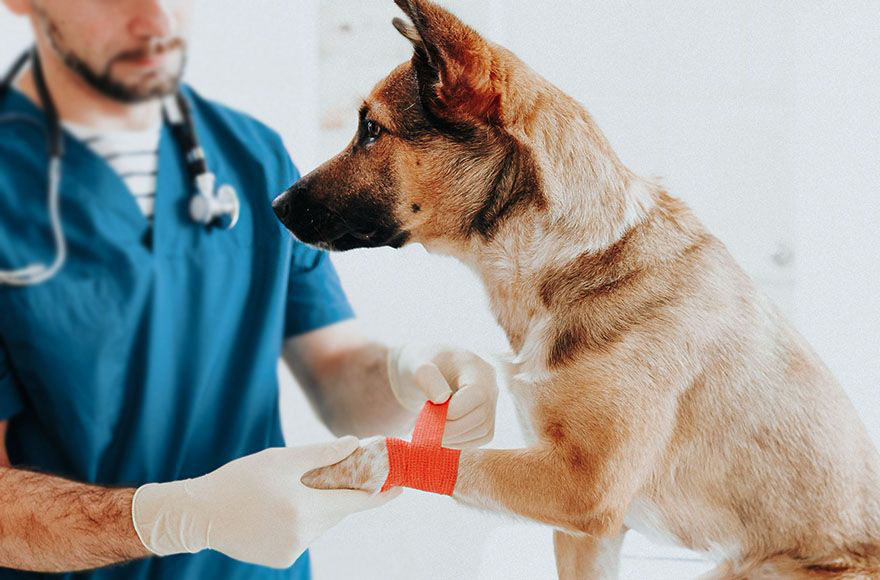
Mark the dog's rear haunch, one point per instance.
(662, 392)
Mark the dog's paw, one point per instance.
(366, 469)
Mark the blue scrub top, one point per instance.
(143, 360)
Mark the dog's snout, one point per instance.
(337, 222)
(281, 205)
(305, 218)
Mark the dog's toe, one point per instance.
(366, 469)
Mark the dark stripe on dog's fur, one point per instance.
(516, 187)
(621, 264)
(601, 296)
(592, 330)
(588, 273)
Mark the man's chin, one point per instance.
(137, 82)
(144, 89)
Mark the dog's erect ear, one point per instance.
(410, 33)
(458, 72)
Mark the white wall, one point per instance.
(763, 116)
(15, 36)
(263, 61)
(837, 176)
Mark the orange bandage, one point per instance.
(424, 463)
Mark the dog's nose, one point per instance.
(281, 205)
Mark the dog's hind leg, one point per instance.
(582, 557)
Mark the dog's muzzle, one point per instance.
(360, 226)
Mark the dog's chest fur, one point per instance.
(644, 515)
(511, 272)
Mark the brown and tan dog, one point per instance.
(659, 390)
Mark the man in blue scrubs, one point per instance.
(138, 391)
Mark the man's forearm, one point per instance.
(50, 524)
(351, 393)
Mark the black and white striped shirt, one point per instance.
(134, 155)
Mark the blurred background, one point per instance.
(763, 116)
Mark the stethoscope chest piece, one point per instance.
(221, 208)
(211, 205)
(228, 200)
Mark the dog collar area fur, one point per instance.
(424, 463)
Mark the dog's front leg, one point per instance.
(538, 483)
(541, 485)
(535, 483)
(580, 556)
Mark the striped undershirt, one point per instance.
(134, 155)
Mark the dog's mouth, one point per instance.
(316, 224)
(352, 239)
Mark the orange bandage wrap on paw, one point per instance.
(423, 463)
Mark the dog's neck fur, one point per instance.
(592, 200)
(533, 245)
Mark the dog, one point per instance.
(658, 390)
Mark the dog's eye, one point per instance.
(374, 130)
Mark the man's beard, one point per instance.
(103, 82)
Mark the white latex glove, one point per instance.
(253, 509)
(420, 373)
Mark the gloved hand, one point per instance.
(253, 509)
(420, 373)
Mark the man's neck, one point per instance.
(79, 103)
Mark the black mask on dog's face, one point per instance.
(342, 206)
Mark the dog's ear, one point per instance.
(458, 72)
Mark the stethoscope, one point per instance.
(208, 206)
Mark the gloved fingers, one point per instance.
(472, 427)
(323, 454)
(479, 416)
(474, 442)
(386, 496)
(342, 502)
(474, 370)
(468, 398)
(432, 384)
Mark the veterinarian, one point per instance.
(147, 294)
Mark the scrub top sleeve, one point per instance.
(315, 297)
(10, 397)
